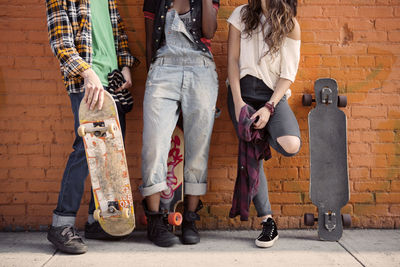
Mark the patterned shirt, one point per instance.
(69, 29)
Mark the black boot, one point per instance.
(157, 230)
(190, 234)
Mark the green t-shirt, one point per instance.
(104, 58)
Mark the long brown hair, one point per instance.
(279, 17)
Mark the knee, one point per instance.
(291, 144)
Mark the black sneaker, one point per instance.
(94, 231)
(268, 235)
(66, 239)
(157, 231)
(190, 234)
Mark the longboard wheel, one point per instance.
(346, 219)
(175, 219)
(111, 128)
(309, 219)
(307, 100)
(125, 213)
(81, 131)
(342, 101)
(96, 215)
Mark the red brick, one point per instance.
(298, 210)
(361, 198)
(372, 186)
(367, 209)
(388, 197)
(281, 198)
(296, 186)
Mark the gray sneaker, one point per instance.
(66, 239)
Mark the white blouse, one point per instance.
(253, 61)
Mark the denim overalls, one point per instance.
(181, 79)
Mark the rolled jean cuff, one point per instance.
(148, 191)
(262, 214)
(63, 220)
(195, 189)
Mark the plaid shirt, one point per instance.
(69, 28)
(253, 146)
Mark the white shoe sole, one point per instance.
(268, 244)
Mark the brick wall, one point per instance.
(355, 42)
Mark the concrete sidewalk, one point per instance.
(217, 248)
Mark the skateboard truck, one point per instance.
(99, 129)
(112, 206)
(326, 95)
(330, 221)
(99, 132)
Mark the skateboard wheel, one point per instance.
(346, 219)
(111, 128)
(125, 213)
(81, 131)
(309, 219)
(342, 101)
(307, 100)
(175, 218)
(96, 214)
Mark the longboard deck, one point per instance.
(329, 187)
(107, 165)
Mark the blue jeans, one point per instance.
(76, 171)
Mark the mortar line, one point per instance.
(359, 261)
(52, 256)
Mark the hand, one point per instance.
(126, 72)
(238, 108)
(94, 91)
(263, 115)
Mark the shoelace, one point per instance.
(71, 233)
(268, 229)
(161, 225)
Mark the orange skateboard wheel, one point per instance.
(175, 218)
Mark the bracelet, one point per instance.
(270, 107)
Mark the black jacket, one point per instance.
(157, 10)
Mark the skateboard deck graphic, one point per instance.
(171, 197)
(105, 154)
(329, 186)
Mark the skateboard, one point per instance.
(105, 154)
(329, 179)
(171, 197)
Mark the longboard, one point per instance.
(329, 179)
